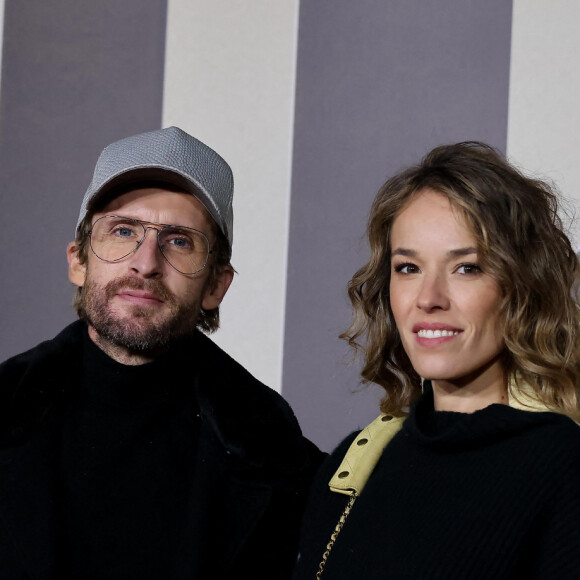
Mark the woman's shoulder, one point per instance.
(554, 440)
(331, 463)
(557, 426)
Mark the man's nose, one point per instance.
(147, 260)
(433, 293)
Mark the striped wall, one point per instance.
(544, 116)
(1, 37)
(76, 75)
(313, 103)
(378, 85)
(229, 79)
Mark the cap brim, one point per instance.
(148, 176)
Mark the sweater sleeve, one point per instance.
(556, 551)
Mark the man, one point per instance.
(131, 446)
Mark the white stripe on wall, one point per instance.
(544, 116)
(229, 80)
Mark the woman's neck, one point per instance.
(472, 393)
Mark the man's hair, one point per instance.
(520, 243)
(219, 259)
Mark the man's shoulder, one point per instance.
(38, 358)
(217, 367)
(246, 413)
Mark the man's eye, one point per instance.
(178, 241)
(123, 232)
(181, 243)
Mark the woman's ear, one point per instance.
(76, 271)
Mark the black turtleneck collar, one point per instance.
(138, 386)
(446, 430)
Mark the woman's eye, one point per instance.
(469, 269)
(407, 269)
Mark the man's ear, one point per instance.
(215, 293)
(76, 271)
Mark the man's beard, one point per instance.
(137, 331)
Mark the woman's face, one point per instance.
(446, 308)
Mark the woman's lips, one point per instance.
(435, 333)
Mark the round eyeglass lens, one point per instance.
(113, 238)
(185, 249)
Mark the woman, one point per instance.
(465, 315)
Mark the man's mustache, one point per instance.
(155, 287)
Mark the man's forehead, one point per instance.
(167, 200)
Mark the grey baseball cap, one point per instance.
(167, 156)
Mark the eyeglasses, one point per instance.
(114, 237)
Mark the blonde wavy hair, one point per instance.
(521, 244)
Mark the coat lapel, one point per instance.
(30, 490)
(227, 504)
(30, 501)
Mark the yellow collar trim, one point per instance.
(363, 454)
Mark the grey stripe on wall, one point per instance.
(378, 85)
(1, 36)
(76, 75)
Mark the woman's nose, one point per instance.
(433, 293)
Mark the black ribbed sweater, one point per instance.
(491, 495)
(128, 451)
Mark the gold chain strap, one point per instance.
(335, 534)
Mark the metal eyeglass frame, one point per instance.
(152, 226)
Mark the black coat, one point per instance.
(253, 466)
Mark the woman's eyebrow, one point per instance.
(462, 252)
(451, 253)
(404, 252)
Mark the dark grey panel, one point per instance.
(379, 83)
(76, 75)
